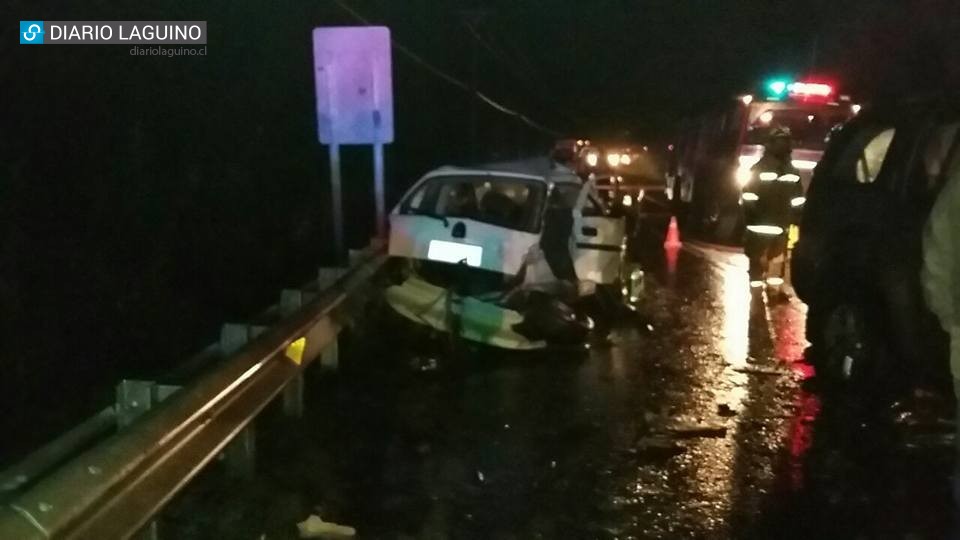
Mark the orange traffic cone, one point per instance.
(673, 235)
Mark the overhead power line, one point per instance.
(453, 80)
(517, 72)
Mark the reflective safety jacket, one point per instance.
(941, 264)
(772, 197)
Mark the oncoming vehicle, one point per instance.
(630, 178)
(857, 263)
(503, 254)
(716, 151)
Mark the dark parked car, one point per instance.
(857, 264)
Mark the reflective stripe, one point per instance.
(797, 201)
(768, 176)
(789, 178)
(765, 229)
(749, 196)
(804, 165)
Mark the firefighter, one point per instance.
(771, 200)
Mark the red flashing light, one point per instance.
(809, 89)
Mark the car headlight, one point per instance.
(613, 159)
(592, 159)
(625, 159)
(627, 200)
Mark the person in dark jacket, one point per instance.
(770, 200)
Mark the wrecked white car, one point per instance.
(503, 254)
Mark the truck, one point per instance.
(715, 151)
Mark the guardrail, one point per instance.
(117, 487)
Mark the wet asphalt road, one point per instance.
(691, 424)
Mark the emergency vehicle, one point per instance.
(716, 150)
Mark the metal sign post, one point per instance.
(354, 84)
(378, 190)
(336, 201)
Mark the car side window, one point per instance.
(591, 208)
(565, 195)
(941, 154)
(871, 159)
(415, 200)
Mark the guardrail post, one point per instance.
(233, 337)
(137, 397)
(133, 399)
(328, 275)
(240, 454)
(330, 357)
(354, 256)
(293, 397)
(150, 531)
(290, 301)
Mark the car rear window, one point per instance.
(514, 203)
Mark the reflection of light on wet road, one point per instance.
(671, 254)
(735, 292)
(710, 462)
(801, 436)
(788, 324)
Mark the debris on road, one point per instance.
(724, 410)
(315, 527)
(658, 447)
(693, 431)
(757, 370)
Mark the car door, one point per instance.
(917, 332)
(847, 205)
(598, 237)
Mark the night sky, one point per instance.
(143, 201)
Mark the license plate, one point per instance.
(452, 252)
